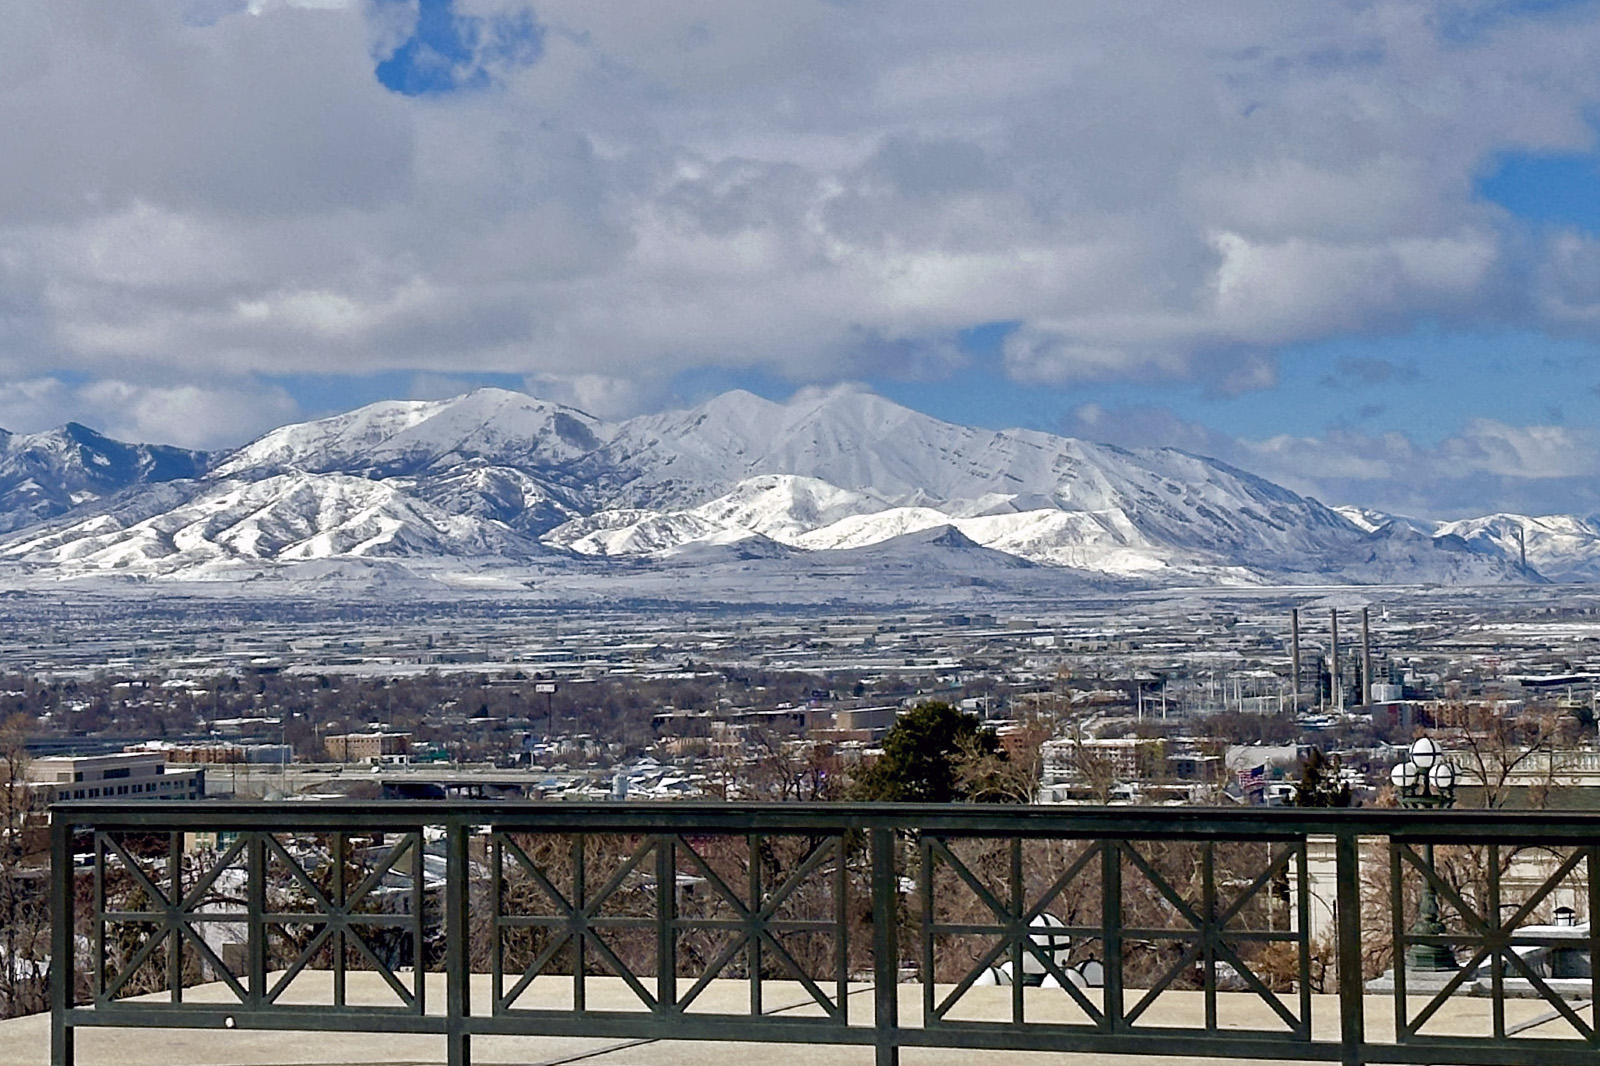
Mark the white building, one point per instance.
(120, 776)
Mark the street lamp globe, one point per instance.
(1442, 777)
(1424, 752)
(1404, 775)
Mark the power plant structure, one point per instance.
(1366, 658)
(1335, 679)
(1294, 651)
(1333, 691)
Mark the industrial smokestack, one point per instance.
(1294, 650)
(1337, 692)
(1366, 660)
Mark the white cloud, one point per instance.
(1568, 286)
(187, 415)
(36, 403)
(190, 416)
(820, 190)
(1495, 448)
(1486, 466)
(598, 394)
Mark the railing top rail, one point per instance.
(954, 819)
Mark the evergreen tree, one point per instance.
(922, 755)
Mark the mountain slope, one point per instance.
(43, 475)
(220, 525)
(491, 453)
(1559, 547)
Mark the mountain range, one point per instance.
(836, 479)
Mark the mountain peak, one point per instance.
(405, 437)
(46, 474)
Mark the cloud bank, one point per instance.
(598, 197)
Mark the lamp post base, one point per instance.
(1417, 982)
(1430, 958)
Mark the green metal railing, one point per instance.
(1038, 928)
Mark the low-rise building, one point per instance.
(119, 776)
(368, 747)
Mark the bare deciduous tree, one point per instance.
(1009, 775)
(24, 877)
(1503, 758)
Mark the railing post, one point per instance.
(458, 971)
(1111, 931)
(256, 909)
(666, 915)
(1347, 870)
(175, 899)
(885, 945)
(63, 959)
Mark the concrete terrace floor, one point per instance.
(26, 1041)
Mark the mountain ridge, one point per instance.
(45, 475)
(503, 478)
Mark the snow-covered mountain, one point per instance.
(393, 438)
(1559, 547)
(1370, 521)
(218, 526)
(500, 477)
(43, 475)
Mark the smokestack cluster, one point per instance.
(1337, 693)
(1366, 659)
(1294, 650)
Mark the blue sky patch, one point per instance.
(1562, 190)
(1471, 22)
(450, 52)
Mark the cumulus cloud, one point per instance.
(606, 195)
(597, 394)
(187, 415)
(1569, 282)
(1488, 466)
(1524, 452)
(190, 416)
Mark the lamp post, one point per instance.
(1427, 781)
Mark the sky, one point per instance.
(1353, 247)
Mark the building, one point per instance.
(369, 747)
(1124, 758)
(219, 753)
(122, 776)
(1125, 768)
(867, 723)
